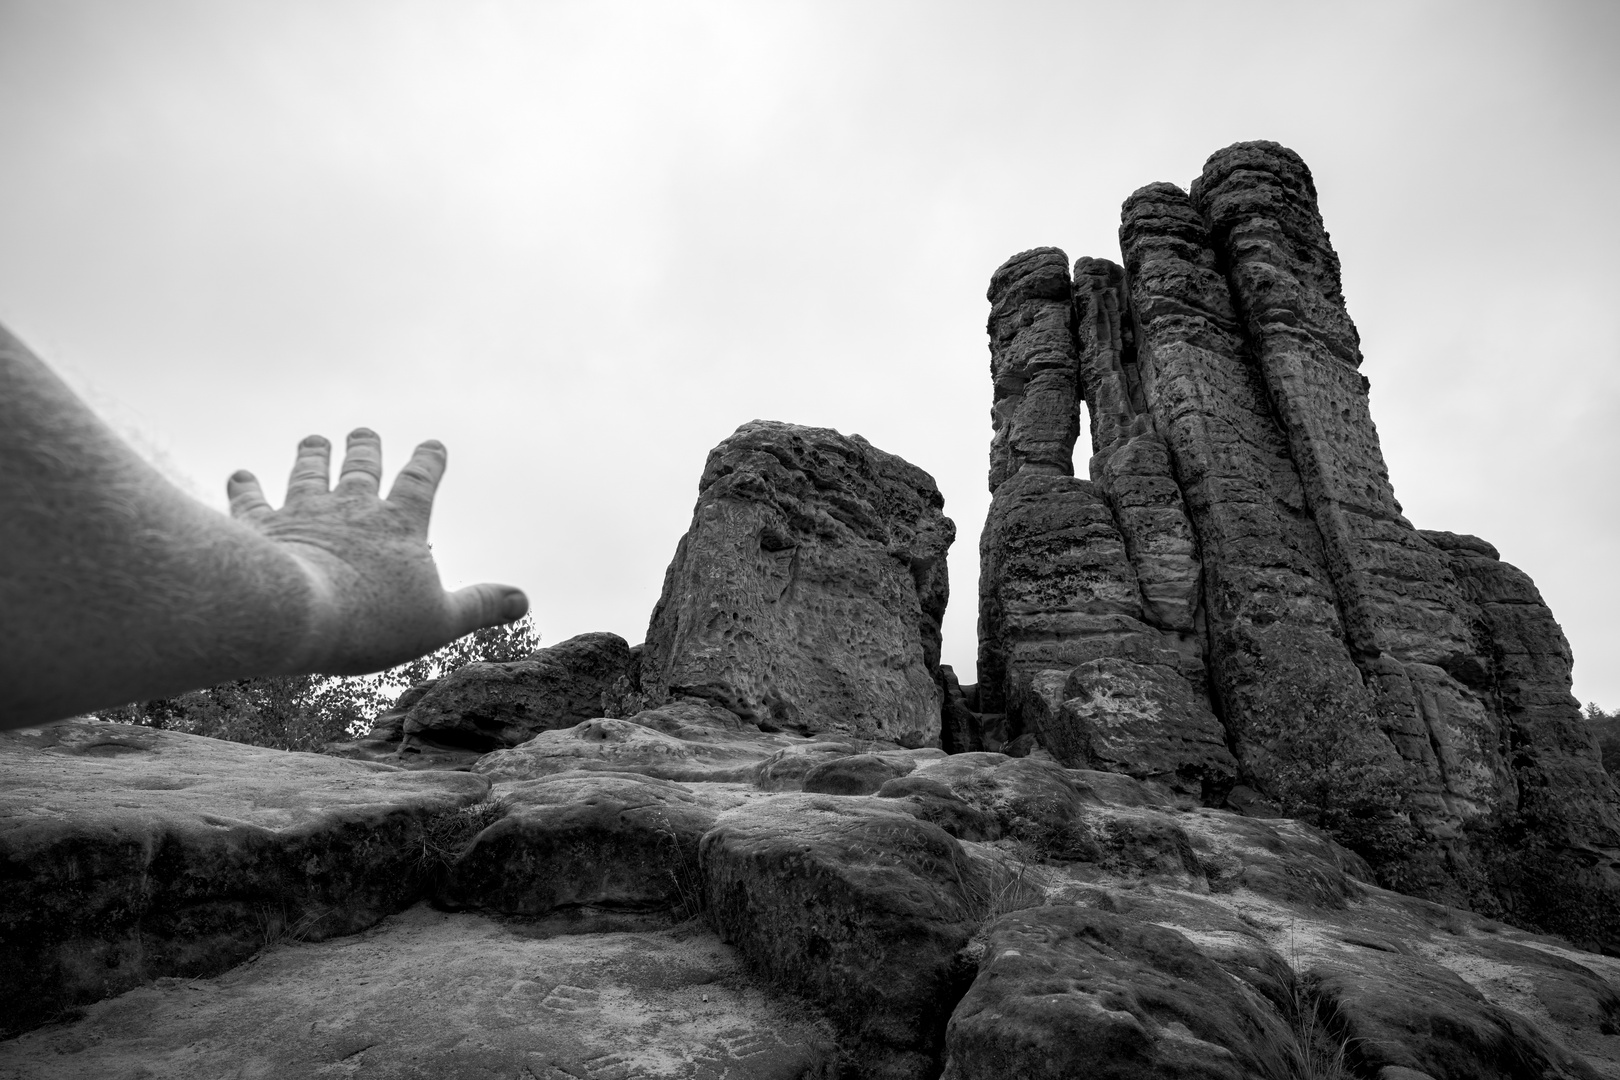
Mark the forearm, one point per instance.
(114, 585)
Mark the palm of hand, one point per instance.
(378, 600)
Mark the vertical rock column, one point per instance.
(1053, 570)
(1088, 590)
(1557, 863)
(1032, 366)
(1277, 646)
(1132, 463)
(1405, 619)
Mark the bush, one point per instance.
(305, 712)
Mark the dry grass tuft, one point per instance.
(447, 835)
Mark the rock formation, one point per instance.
(129, 853)
(976, 917)
(769, 843)
(452, 721)
(808, 592)
(1240, 533)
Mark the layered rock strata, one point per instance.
(1240, 511)
(129, 853)
(1072, 570)
(978, 915)
(808, 592)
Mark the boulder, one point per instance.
(856, 905)
(129, 853)
(857, 774)
(1406, 1012)
(607, 840)
(488, 706)
(1035, 802)
(807, 594)
(627, 746)
(931, 801)
(1068, 991)
(1142, 720)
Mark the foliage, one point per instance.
(1606, 727)
(305, 712)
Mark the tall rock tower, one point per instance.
(1235, 595)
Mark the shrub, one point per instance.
(305, 712)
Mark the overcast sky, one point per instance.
(581, 243)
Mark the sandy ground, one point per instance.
(434, 995)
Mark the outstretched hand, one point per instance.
(378, 597)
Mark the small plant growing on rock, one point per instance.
(275, 928)
(684, 872)
(445, 836)
(1012, 885)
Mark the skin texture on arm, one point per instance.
(115, 586)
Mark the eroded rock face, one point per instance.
(1074, 571)
(1159, 939)
(618, 841)
(1032, 364)
(1240, 537)
(1073, 991)
(808, 592)
(1118, 716)
(855, 904)
(130, 853)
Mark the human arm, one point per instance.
(116, 586)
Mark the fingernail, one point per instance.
(241, 476)
(515, 606)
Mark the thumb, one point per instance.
(478, 606)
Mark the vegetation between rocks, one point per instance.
(445, 836)
(305, 712)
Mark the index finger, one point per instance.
(418, 481)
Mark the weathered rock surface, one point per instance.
(129, 853)
(488, 706)
(1240, 535)
(857, 774)
(1073, 991)
(450, 722)
(1032, 365)
(700, 748)
(1117, 716)
(1269, 602)
(431, 995)
(1185, 939)
(859, 906)
(807, 594)
(1074, 571)
(616, 841)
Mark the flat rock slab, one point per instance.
(432, 995)
(129, 853)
